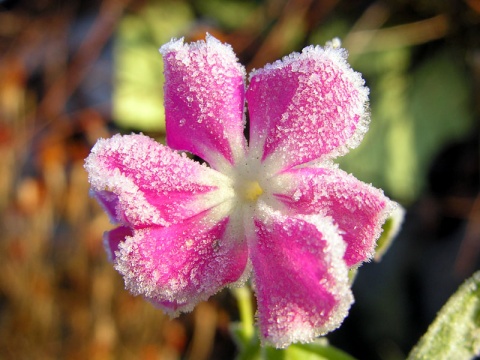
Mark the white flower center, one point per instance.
(247, 182)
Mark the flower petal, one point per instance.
(148, 183)
(306, 107)
(175, 267)
(358, 209)
(204, 100)
(300, 277)
(109, 202)
(113, 238)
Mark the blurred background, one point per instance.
(74, 71)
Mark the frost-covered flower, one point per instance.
(276, 209)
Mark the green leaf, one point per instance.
(318, 350)
(455, 333)
(352, 275)
(249, 348)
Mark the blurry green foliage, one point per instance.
(138, 92)
(386, 157)
(228, 14)
(440, 104)
(335, 27)
(415, 112)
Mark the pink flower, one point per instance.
(276, 209)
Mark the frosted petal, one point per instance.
(141, 182)
(306, 107)
(358, 209)
(175, 267)
(204, 100)
(300, 277)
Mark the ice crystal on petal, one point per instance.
(278, 210)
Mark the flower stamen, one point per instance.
(252, 190)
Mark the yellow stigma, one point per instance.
(252, 190)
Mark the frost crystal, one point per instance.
(277, 210)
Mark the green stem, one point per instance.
(244, 300)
